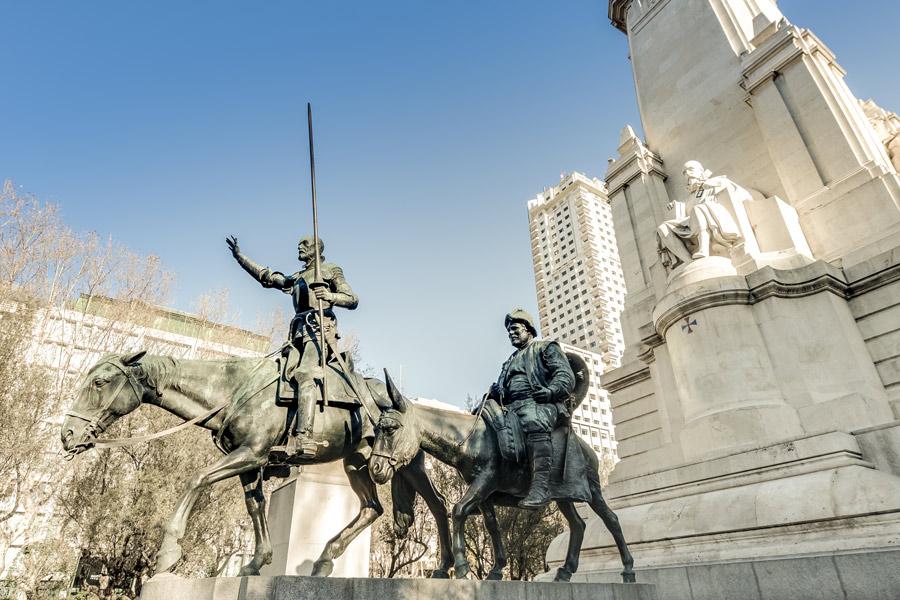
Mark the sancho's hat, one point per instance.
(520, 316)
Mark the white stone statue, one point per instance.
(700, 220)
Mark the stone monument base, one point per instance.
(857, 576)
(171, 587)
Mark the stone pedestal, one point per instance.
(334, 588)
(305, 513)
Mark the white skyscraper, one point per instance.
(580, 289)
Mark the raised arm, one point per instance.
(264, 275)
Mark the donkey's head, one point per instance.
(111, 389)
(396, 436)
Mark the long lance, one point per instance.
(317, 264)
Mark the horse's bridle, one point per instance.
(391, 459)
(95, 423)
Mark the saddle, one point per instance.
(567, 473)
(340, 392)
(343, 383)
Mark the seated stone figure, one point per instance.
(701, 219)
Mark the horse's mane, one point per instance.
(157, 369)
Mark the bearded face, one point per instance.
(694, 176)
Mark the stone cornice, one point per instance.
(703, 301)
(618, 11)
(772, 286)
(639, 161)
(874, 281)
(767, 283)
(627, 380)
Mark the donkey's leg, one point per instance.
(468, 504)
(599, 506)
(256, 507)
(239, 461)
(576, 536)
(369, 510)
(493, 528)
(417, 476)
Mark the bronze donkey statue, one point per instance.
(466, 443)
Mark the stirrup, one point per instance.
(301, 445)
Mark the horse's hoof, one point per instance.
(628, 577)
(440, 574)
(562, 575)
(248, 571)
(167, 557)
(494, 576)
(322, 568)
(461, 571)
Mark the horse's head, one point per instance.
(111, 389)
(396, 436)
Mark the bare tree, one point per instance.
(526, 536)
(65, 300)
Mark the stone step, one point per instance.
(172, 587)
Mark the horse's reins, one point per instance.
(474, 423)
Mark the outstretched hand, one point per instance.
(233, 245)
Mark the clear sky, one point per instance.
(171, 124)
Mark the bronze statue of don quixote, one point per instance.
(517, 450)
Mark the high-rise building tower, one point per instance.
(580, 288)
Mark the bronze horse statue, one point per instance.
(245, 429)
(466, 443)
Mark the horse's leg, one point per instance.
(599, 506)
(418, 478)
(576, 535)
(256, 507)
(468, 504)
(369, 510)
(239, 461)
(493, 528)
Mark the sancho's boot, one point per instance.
(539, 459)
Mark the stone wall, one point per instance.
(877, 313)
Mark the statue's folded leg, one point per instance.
(671, 242)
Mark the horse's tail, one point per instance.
(403, 496)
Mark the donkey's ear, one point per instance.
(132, 359)
(397, 398)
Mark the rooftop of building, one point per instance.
(567, 182)
(171, 321)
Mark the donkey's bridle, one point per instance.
(391, 459)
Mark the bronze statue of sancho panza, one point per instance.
(332, 290)
(535, 383)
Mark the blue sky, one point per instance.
(170, 125)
